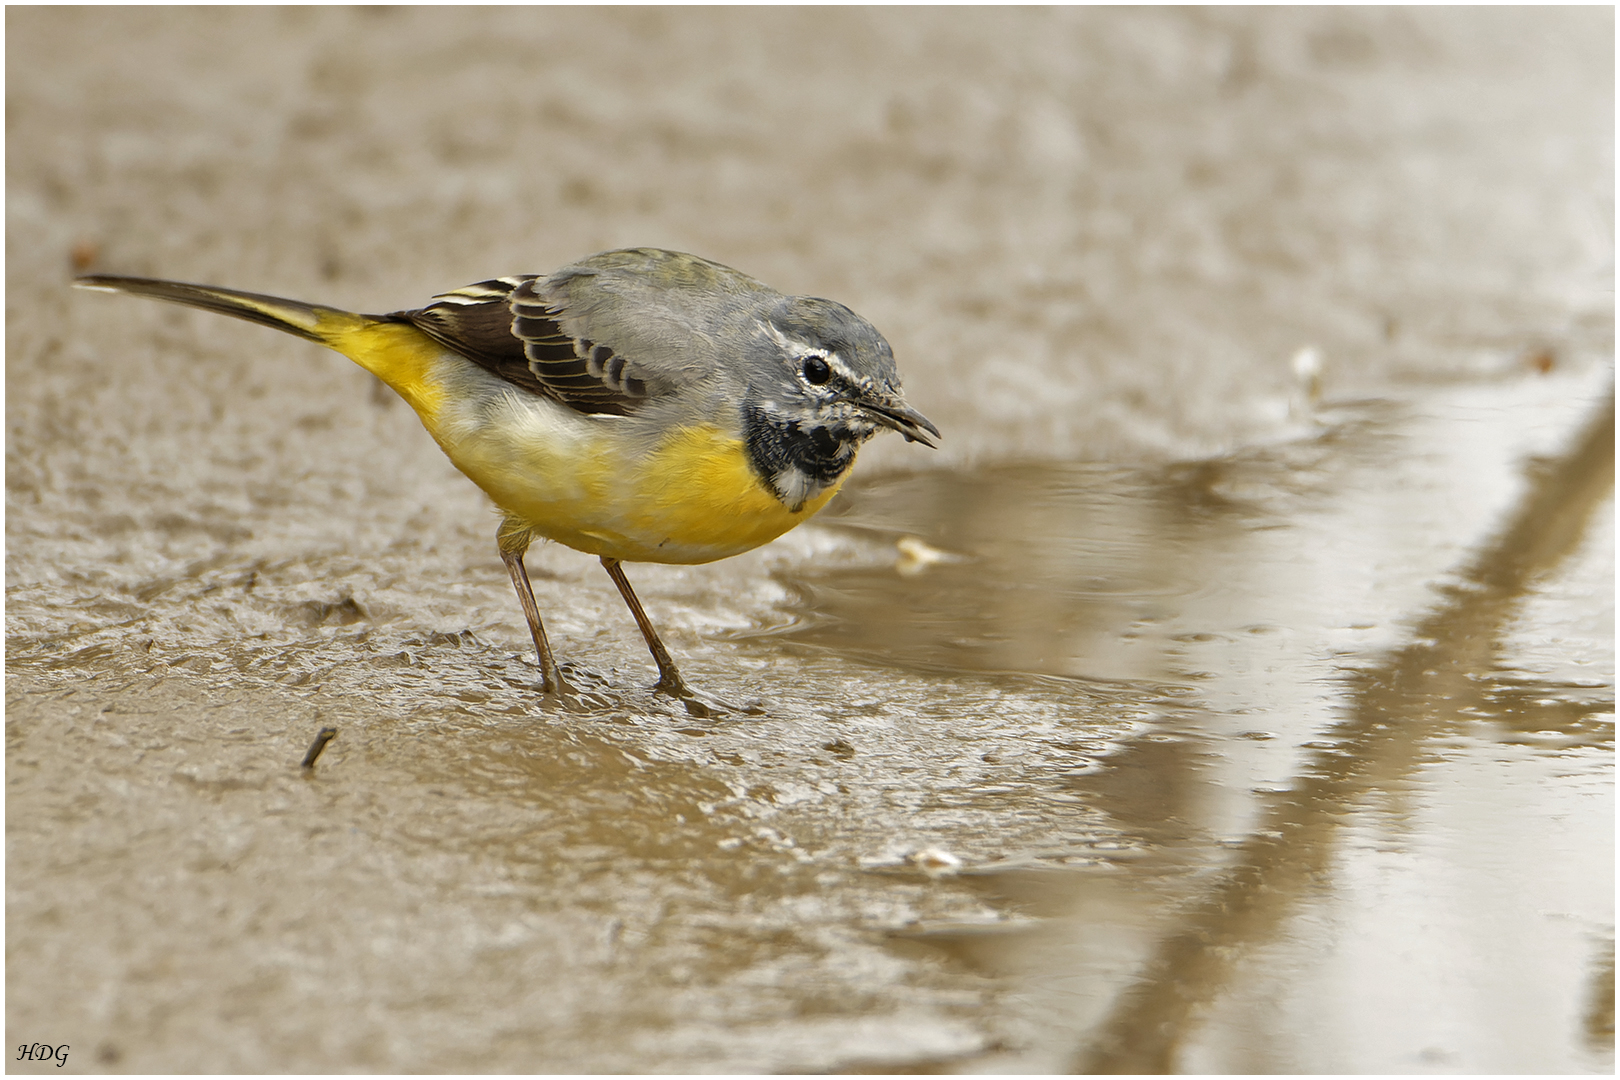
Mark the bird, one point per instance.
(638, 405)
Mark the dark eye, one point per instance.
(816, 371)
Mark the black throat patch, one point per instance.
(797, 462)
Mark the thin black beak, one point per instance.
(904, 419)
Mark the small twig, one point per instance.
(326, 735)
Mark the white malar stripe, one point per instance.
(795, 487)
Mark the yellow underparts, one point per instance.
(701, 493)
(397, 353)
(583, 481)
(694, 499)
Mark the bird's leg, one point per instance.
(669, 676)
(514, 541)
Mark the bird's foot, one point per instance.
(579, 690)
(705, 706)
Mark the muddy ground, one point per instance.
(1249, 706)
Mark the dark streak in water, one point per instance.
(324, 736)
(1422, 689)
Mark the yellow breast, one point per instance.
(590, 482)
(700, 496)
(693, 499)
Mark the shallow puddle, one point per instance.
(1330, 831)
(1235, 694)
(1244, 765)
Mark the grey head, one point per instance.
(821, 381)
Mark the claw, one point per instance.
(574, 697)
(707, 706)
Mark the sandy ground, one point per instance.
(1105, 244)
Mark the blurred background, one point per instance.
(1261, 339)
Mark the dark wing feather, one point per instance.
(588, 375)
(505, 328)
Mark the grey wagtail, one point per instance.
(638, 405)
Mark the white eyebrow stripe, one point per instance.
(836, 362)
(787, 343)
(800, 348)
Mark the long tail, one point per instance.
(323, 325)
(393, 350)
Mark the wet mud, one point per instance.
(1233, 692)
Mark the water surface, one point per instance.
(1232, 692)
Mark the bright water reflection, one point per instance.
(1063, 765)
(1304, 813)
(1431, 790)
